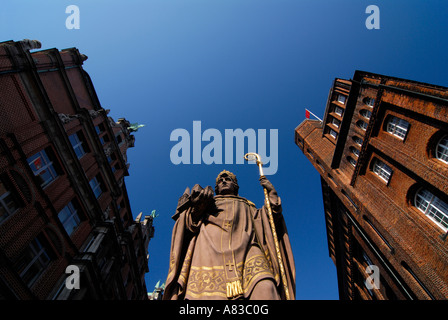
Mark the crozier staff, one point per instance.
(253, 156)
(223, 247)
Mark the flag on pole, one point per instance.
(308, 113)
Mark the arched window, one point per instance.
(433, 207)
(362, 124)
(382, 170)
(442, 149)
(369, 101)
(354, 151)
(352, 161)
(398, 127)
(357, 140)
(365, 113)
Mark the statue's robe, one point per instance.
(227, 252)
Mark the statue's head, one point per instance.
(226, 183)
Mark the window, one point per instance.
(397, 127)
(362, 124)
(119, 139)
(338, 111)
(354, 151)
(341, 98)
(99, 128)
(42, 167)
(357, 140)
(77, 145)
(310, 153)
(69, 218)
(96, 187)
(369, 101)
(333, 133)
(33, 261)
(8, 204)
(365, 113)
(352, 161)
(336, 122)
(433, 207)
(442, 149)
(382, 170)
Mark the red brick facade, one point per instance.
(62, 168)
(379, 152)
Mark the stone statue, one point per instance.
(222, 246)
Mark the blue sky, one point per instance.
(234, 64)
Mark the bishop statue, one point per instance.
(223, 248)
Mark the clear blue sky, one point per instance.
(234, 64)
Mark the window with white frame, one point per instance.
(77, 145)
(382, 170)
(42, 167)
(397, 127)
(33, 261)
(341, 98)
(96, 187)
(8, 204)
(442, 149)
(69, 217)
(433, 207)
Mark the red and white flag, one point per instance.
(308, 113)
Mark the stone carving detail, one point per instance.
(94, 113)
(66, 118)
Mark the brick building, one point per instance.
(382, 154)
(63, 200)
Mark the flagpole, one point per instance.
(314, 115)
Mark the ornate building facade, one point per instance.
(64, 208)
(382, 154)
